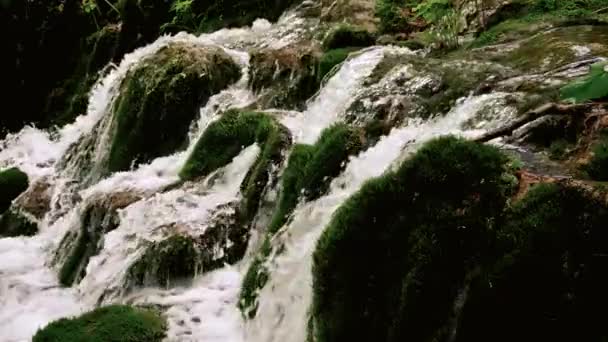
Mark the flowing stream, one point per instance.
(205, 310)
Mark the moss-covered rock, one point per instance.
(389, 265)
(161, 97)
(12, 183)
(15, 223)
(283, 78)
(308, 174)
(550, 283)
(225, 138)
(167, 262)
(330, 59)
(345, 35)
(106, 324)
(83, 242)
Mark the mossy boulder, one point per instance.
(15, 223)
(346, 35)
(330, 59)
(562, 45)
(12, 183)
(112, 323)
(550, 282)
(79, 244)
(225, 138)
(166, 263)
(309, 171)
(283, 78)
(160, 98)
(389, 265)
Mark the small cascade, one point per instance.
(335, 96)
(285, 300)
(160, 205)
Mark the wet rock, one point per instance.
(16, 223)
(37, 199)
(12, 183)
(283, 78)
(80, 243)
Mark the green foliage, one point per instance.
(345, 35)
(592, 87)
(161, 98)
(433, 10)
(236, 13)
(225, 138)
(597, 168)
(386, 267)
(446, 30)
(115, 323)
(393, 15)
(330, 59)
(165, 262)
(308, 174)
(12, 183)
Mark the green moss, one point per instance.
(73, 264)
(161, 98)
(308, 174)
(387, 267)
(347, 36)
(597, 168)
(12, 183)
(550, 283)
(107, 324)
(225, 138)
(277, 140)
(330, 59)
(13, 223)
(166, 262)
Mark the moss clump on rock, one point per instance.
(12, 183)
(348, 36)
(78, 246)
(164, 263)
(15, 223)
(550, 282)
(388, 266)
(309, 172)
(283, 78)
(330, 59)
(115, 323)
(161, 97)
(225, 138)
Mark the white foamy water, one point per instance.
(206, 310)
(335, 97)
(285, 301)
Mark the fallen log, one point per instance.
(546, 109)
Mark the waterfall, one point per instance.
(206, 309)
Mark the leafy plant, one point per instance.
(592, 87)
(433, 10)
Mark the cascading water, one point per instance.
(206, 309)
